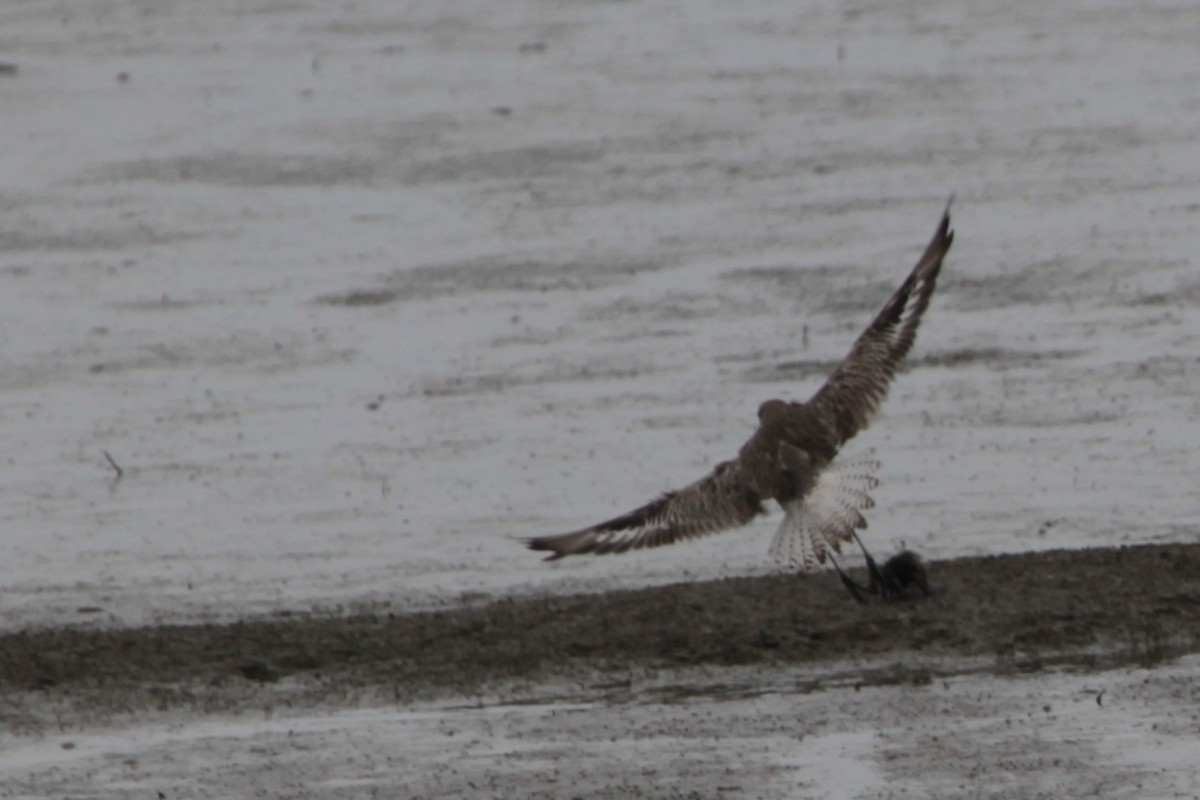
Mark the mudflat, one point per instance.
(1088, 609)
(1050, 674)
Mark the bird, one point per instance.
(791, 459)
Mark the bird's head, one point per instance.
(772, 409)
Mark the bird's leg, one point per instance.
(857, 590)
(879, 584)
(900, 577)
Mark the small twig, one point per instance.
(112, 462)
(1099, 697)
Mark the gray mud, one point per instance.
(1008, 614)
(1055, 674)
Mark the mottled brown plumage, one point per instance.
(787, 456)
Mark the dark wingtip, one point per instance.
(940, 244)
(541, 545)
(944, 227)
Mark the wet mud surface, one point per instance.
(1092, 609)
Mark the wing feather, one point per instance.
(721, 500)
(856, 388)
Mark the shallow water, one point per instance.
(357, 296)
(1030, 736)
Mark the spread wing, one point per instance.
(854, 391)
(827, 516)
(721, 500)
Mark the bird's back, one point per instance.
(800, 426)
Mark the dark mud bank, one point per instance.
(1091, 609)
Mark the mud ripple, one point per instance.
(244, 169)
(674, 306)
(491, 382)
(993, 358)
(493, 275)
(88, 240)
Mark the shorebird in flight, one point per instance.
(790, 459)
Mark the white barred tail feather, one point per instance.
(827, 516)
